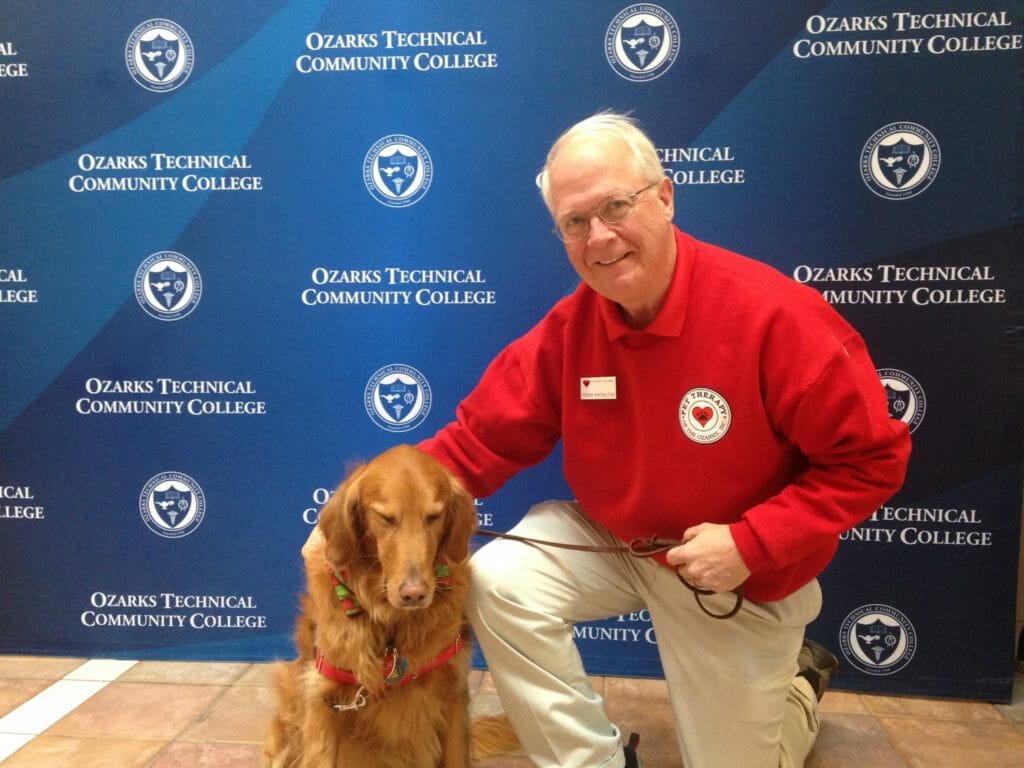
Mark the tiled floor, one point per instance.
(57, 712)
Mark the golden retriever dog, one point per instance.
(383, 653)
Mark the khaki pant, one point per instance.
(731, 682)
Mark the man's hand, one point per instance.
(708, 558)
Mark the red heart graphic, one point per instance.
(586, 382)
(703, 415)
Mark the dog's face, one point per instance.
(404, 513)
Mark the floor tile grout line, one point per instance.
(885, 733)
(98, 673)
(186, 727)
(199, 717)
(101, 670)
(57, 700)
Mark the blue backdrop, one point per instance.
(245, 244)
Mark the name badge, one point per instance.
(597, 388)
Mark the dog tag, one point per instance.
(395, 666)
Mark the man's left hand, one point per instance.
(708, 558)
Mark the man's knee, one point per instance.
(491, 578)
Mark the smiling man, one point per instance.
(698, 394)
(624, 247)
(628, 260)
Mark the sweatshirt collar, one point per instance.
(669, 321)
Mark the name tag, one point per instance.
(597, 388)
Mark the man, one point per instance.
(698, 395)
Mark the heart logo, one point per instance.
(703, 415)
(586, 382)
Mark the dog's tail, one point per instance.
(490, 736)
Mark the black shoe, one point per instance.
(632, 759)
(816, 666)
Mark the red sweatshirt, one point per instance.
(748, 401)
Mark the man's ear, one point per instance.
(666, 194)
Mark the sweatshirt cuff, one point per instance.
(754, 555)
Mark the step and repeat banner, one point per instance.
(246, 244)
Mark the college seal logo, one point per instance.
(900, 160)
(642, 42)
(397, 398)
(704, 415)
(159, 55)
(168, 286)
(397, 171)
(172, 505)
(878, 639)
(905, 395)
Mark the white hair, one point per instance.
(611, 127)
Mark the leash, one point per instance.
(638, 547)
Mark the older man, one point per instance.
(697, 394)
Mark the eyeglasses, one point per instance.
(575, 226)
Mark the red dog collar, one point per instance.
(395, 665)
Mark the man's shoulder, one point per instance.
(721, 270)
(549, 332)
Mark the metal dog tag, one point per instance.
(395, 666)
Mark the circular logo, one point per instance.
(900, 161)
(168, 286)
(905, 396)
(159, 55)
(172, 505)
(878, 639)
(397, 171)
(704, 415)
(397, 398)
(642, 42)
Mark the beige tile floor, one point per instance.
(76, 713)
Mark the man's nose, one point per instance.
(600, 230)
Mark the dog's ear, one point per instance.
(459, 524)
(341, 522)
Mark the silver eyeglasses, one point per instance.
(575, 226)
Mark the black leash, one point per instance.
(638, 547)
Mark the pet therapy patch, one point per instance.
(704, 415)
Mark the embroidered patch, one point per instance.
(597, 388)
(704, 415)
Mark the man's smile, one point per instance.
(610, 261)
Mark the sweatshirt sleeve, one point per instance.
(510, 421)
(855, 454)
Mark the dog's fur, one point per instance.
(388, 524)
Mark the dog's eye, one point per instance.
(431, 519)
(388, 520)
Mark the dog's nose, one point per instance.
(413, 592)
